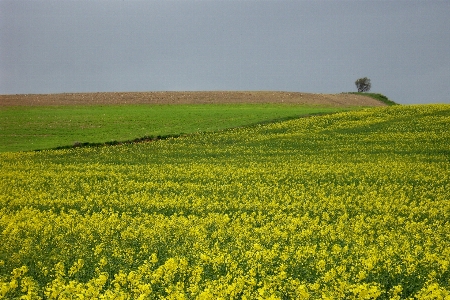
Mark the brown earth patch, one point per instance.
(109, 98)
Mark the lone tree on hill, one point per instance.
(363, 84)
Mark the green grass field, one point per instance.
(352, 205)
(36, 128)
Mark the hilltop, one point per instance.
(198, 97)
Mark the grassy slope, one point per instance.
(35, 128)
(379, 97)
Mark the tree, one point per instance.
(363, 84)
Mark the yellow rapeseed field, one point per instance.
(354, 205)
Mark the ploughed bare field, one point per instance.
(199, 97)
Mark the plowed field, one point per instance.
(187, 98)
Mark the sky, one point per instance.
(68, 46)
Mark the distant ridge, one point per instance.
(196, 97)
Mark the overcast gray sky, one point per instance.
(307, 46)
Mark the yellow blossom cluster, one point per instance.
(354, 205)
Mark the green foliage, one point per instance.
(35, 128)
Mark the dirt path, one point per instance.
(187, 98)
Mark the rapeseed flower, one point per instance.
(345, 206)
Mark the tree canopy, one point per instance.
(363, 84)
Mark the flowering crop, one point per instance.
(354, 205)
